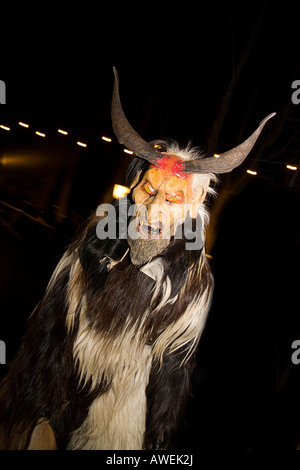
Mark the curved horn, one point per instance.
(227, 160)
(125, 133)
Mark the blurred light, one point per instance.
(5, 127)
(128, 151)
(120, 191)
(23, 124)
(62, 132)
(160, 146)
(216, 155)
(13, 161)
(252, 172)
(291, 167)
(81, 144)
(107, 139)
(41, 134)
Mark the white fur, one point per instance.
(117, 419)
(188, 329)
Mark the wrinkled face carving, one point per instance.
(163, 198)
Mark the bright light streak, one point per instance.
(23, 124)
(120, 191)
(216, 155)
(128, 151)
(251, 172)
(5, 128)
(107, 139)
(291, 167)
(81, 144)
(41, 134)
(62, 132)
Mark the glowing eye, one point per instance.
(178, 197)
(148, 188)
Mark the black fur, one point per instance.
(167, 395)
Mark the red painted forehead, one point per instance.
(170, 165)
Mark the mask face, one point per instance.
(163, 199)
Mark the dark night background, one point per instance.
(209, 73)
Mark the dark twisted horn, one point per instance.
(125, 133)
(229, 160)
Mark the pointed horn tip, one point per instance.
(116, 76)
(267, 118)
(204, 161)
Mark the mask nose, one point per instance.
(154, 212)
(149, 224)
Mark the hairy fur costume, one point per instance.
(109, 351)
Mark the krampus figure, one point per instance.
(109, 351)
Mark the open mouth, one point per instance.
(150, 231)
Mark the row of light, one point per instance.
(42, 134)
(254, 173)
(118, 190)
(61, 131)
(108, 139)
(289, 167)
